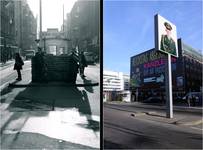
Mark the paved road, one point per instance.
(8, 75)
(121, 130)
(67, 116)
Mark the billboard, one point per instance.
(165, 36)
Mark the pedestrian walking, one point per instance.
(18, 65)
(193, 100)
(188, 99)
(82, 64)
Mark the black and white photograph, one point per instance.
(50, 74)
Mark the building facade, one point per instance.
(54, 42)
(83, 27)
(147, 74)
(8, 43)
(115, 86)
(18, 28)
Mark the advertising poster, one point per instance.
(166, 36)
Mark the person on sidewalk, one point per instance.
(82, 64)
(18, 65)
(193, 100)
(188, 100)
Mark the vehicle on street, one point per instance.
(29, 54)
(153, 99)
(197, 95)
(89, 57)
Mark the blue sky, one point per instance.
(129, 28)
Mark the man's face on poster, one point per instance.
(168, 32)
(168, 28)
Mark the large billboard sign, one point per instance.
(165, 36)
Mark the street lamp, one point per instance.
(37, 41)
(44, 44)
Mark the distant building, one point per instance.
(54, 42)
(18, 28)
(147, 75)
(115, 86)
(82, 26)
(8, 44)
(26, 30)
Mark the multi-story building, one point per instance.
(7, 37)
(115, 86)
(83, 26)
(147, 75)
(28, 28)
(18, 28)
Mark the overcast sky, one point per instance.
(52, 11)
(129, 28)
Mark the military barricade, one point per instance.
(46, 68)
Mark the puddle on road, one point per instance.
(68, 125)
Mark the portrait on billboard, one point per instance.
(167, 36)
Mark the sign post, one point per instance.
(168, 88)
(166, 42)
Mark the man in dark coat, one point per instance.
(18, 65)
(82, 63)
(167, 43)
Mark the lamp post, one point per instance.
(44, 39)
(37, 41)
(40, 22)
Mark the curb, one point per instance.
(191, 123)
(2, 87)
(5, 85)
(179, 109)
(47, 85)
(137, 114)
(155, 114)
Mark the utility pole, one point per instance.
(63, 20)
(40, 16)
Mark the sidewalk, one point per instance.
(7, 64)
(157, 116)
(158, 106)
(8, 75)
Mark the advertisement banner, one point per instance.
(165, 36)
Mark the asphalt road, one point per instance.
(30, 120)
(121, 130)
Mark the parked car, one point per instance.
(29, 54)
(89, 57)
(153, 99)
(197, 95)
